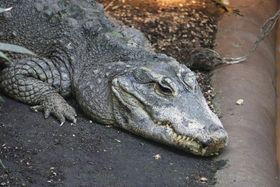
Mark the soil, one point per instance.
(38, 152)
(172, 29)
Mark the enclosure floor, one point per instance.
(38, 152)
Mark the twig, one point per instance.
(265, 30)
(5, 9)
(109, 5)
(1, 163)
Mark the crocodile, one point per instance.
(111, 71)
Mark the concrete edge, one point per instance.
(278, 94)
(251, 153)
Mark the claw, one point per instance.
(61, 124)
(60, 117)
(73, 112)
(37, 108)
(70, 117)
(47, 113)
(54, 104)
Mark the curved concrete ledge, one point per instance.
(278, 95)
(251, 153)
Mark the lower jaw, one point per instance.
(206, 152)
(197, 149)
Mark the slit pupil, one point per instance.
(165, 89)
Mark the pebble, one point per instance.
(203, 180)
(157, 156)
(240, 102)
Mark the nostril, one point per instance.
(214, 127)
(208, 143)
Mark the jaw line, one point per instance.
(184, 142)
(181, 141)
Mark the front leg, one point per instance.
(39, 82)
(56, 105)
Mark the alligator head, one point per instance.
(160, 100)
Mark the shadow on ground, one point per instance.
(38, 152)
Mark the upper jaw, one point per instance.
(207, 145)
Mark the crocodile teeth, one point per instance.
(204, 151)
(182, 141)
(186, 141)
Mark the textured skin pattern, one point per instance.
(70, 35)
(29, 79)
(110, 70)
(37, 81)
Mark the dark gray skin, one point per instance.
(110, 70)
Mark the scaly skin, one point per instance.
(110, 70)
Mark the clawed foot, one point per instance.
(56, 105)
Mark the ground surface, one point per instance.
(173, 28)
(37, 152)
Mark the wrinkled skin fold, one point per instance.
(164, 102)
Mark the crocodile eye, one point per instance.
(164, 87)
(163, 90)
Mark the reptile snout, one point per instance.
(213, 127)
(218, 138)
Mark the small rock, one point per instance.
(203, 180)
(240, 102)
(56, 141)
(157, 156)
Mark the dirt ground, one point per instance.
(38, 152)
(174, 29)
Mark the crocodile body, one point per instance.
(109, 69)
